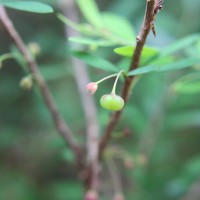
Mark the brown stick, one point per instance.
(61, 126)
(141, 39)
(81, 75)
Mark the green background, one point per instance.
(158, 135)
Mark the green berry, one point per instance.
(112, 102)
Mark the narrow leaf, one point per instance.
(91, 12)
(168, 67)
(89, 41)
(143, 70)
(180, 44)
(128, 51)
(68, 22)
(189, 84)
(6, 56)
(188, 88)
(161, 60)
(29, 6)
(180, 64)
(86, 29)
(95, 61)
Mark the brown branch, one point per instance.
(61, 126)
(141, 39)
(81, 75)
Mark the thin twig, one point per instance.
(81, 75)
(141, 39)
(61, 126)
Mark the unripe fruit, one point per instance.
(112, 102)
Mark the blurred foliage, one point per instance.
(156, 144)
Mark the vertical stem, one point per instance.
(81, 75)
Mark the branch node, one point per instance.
(138, 38)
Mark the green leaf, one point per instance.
(86, 29)
(180, 64)
(112, 23)
(5, 57)
(68, 22)
(91, 12)
(143, 70)
(180, 44)
(168, 67)
(161, 60)
(94, 61)
(189, 84)
(89, 41)
(188, 88)
(154, 56)
(29, 6)
(128, 51)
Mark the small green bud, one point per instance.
(26, 83)
(112, 102)
(34, 48)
